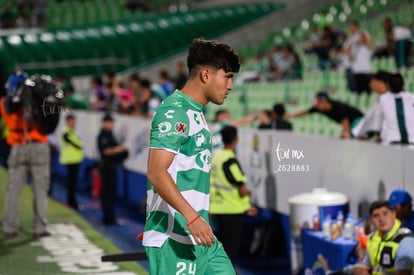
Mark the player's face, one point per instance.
(383, 219)
(220, 85)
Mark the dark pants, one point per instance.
(350, 81)
(230, 232)
(108, 192)
(402, 53)
(72, 182)
(4, 152)
(362, 83)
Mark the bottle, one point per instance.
(316, 226)
(340, 219)
(349, 228)
(335, 233)
(326, 227)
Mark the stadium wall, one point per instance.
(278, 164)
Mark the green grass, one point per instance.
(18, 256)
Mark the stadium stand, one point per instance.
(262, 95)
(116, 46)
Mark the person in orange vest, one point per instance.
(29, 154)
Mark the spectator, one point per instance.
(125, 99)
(339, 112)
(71, 155)
(386, 49)
(265, 119)
(283, 64)
(229, 196)
(358, 47)
(148, 102)
(278, 115)
(100, 95)
(401, 201)
(133, 84)
(323, 47)
(390, 249)
(180, 76)
(313, 37)
(166, 83)
(112, 155)
(393, 115)
(350, 43)
(223, 119)
(379, 84)
(402, 48)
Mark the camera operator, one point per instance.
(29, 154)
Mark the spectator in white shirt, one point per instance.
(392, 116)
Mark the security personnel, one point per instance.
(29, 154)
(71, 155)
(390, 249)
(229, 197)
(112, 155)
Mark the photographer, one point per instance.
(29, 152)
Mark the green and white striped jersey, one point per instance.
(179, 126)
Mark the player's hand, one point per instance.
(201, 232)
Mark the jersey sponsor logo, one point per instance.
(169, 114)
(177, 103)
(164, 127)
(203, 160)
(196, 119)
(181, 128)
(200, 139)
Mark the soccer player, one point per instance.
(177, 237)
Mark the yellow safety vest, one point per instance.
(224, 196)
(382, 251)
(69, 154)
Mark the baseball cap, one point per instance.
(399, 196)
(382, 75)
(320, 96)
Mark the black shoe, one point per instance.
(41, 235)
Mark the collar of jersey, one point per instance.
(191, 101)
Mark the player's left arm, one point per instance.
(159, 160)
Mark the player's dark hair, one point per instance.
(212, 53)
